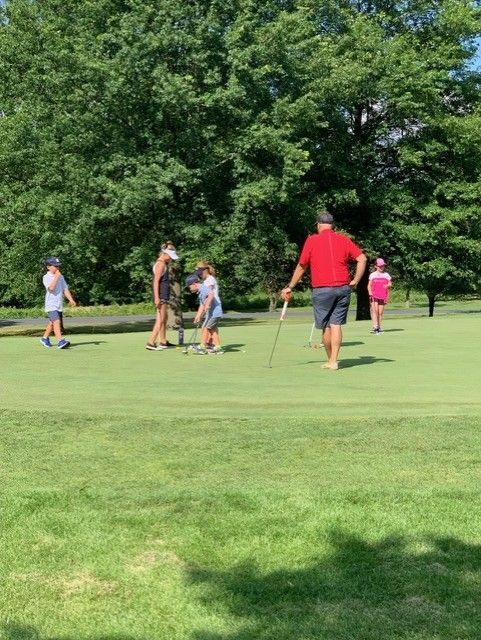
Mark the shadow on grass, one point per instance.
(362, 591)
(347, 363)
(112, 327)
(81, 344)
(13, 631)
(75, 327)
(228, 348)
(318, 346)
(361, 361)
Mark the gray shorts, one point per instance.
(212, 323)
(331, 305)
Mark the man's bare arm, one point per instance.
(361, 262)
(299, 271)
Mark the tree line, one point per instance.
(225, 127)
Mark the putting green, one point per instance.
(415, 368)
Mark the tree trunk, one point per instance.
(363, 308)
(407, 299)
(432, 300)
(273, 301)
(174, 312)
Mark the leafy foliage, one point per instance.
(225, 127)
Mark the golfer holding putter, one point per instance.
(210, 308)
(328, 254)
(56, 288)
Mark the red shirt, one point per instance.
(328, 255)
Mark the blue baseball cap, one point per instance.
(51, 261)
(192, 279)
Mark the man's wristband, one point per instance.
(290, 286)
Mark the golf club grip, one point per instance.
(284, 309)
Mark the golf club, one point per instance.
(191, 345)
(310, 344)
(283, 313)
(191, 341)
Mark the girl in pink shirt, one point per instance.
(378, 289)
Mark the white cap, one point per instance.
(171, 253)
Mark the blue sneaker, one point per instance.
(63, 344)
(46, 342)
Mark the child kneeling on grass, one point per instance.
(210, 307)
(56, 289)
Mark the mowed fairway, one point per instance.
(159, 496)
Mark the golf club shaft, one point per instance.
(283, 314)
(192, 338)
(312, 333)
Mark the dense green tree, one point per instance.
(118, 137)
(434, 229)
(224, 128)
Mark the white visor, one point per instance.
(171, 253)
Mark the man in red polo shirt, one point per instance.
(328, 255)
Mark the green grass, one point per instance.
(415, 368)
(250, 303)
(156, 496)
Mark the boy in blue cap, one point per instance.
(56, 289)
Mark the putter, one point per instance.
(193, 338)
(309, 344)
(283, 314)
(191, 341)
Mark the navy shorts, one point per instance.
(331, 305)
(162, 299)
(55, 315)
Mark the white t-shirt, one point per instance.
(54, 299)
(212, 284)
